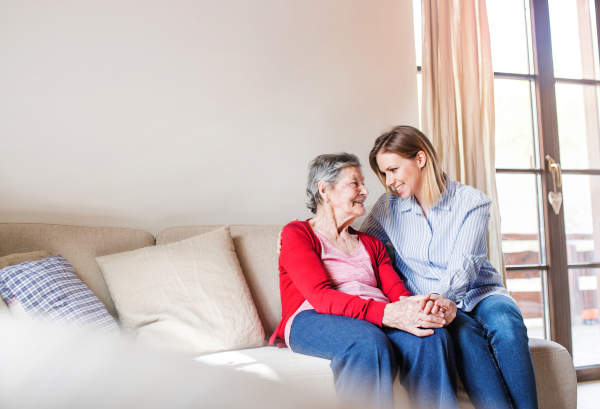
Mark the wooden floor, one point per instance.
(588, 395)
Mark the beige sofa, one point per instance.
(255, 247)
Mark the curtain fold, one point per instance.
(457, 110)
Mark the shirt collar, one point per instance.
(406, 205)
(446, 199)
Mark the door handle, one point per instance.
(554, 197)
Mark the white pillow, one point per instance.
(189, 296)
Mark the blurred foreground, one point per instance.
(51, 367)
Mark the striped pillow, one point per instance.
(49, 290)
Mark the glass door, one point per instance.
(547, 68)
(518, 164)
(574, 36)
(547, 82)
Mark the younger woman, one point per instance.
(439, 230)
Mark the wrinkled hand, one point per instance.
(279, 241)
(426, 304)
(446, 306)
(409, 315)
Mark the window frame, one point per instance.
(556, 247)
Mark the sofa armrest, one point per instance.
(555, 375)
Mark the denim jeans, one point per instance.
(492, 355)
(365, 360)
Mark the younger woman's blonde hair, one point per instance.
(407, 142)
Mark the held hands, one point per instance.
(419, 313)
(435, 305)
(409, 315)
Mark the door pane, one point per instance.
(420, 96)
(418, 31)
(509, 47)
(581, 195)
(574, 39)
(518, 201)
(578, 132)
(514, 129)
(584, 316)
(526, 288)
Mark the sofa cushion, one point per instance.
(256, 248)
(49, 290)
(555, 374)
(14, 259)
(80, 245)
(279, 364)
(189, 296)
(311, 375)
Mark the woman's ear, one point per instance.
(421, 159)
(323, 192)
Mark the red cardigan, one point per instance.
(303, 277)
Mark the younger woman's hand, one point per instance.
(279, 240)
(446, 306)
(449, 309)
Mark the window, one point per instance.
(547, 83)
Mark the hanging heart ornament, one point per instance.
(555, 200)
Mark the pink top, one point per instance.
(349, 273)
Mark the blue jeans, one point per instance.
(492, 355)
(365, 360)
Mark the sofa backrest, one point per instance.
(255, 245)
(256, 248)
(79, 245)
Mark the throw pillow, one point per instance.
(49, 290)
(14, 259)
(189, 296)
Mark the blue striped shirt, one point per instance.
(445, 252)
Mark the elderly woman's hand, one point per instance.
(408, 315)
(426, 304)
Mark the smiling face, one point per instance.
(402, 174)
(348, 195)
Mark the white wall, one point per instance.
(151, 114)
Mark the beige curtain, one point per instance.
(458, 99)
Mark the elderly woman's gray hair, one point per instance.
(327, 168)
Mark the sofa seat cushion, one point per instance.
(276, 364)
(555, 374)
(308, 374)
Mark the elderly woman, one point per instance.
(343, 301)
